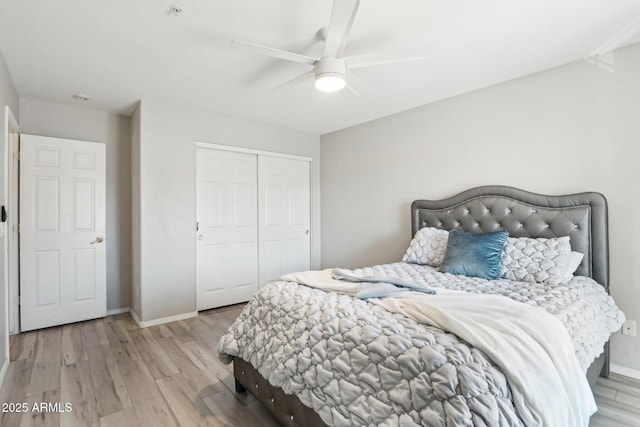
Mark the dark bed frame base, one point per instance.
(599, 367)
(286, 408)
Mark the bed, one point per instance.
(279, 320)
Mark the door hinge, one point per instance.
(16, 155)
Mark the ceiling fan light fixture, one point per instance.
(330, 82)
(329, 74)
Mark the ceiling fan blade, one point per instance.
(619, 39)
(355, 85)
(373, 59)
(273, 52)
(295, 82)
(342, 16)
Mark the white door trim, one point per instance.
(10, 125)
(13, 183)
(212, 146)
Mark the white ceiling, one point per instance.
(120, 51)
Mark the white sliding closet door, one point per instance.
(284, 213)
(227, 235)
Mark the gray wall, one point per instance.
(570, 129)
(167, 195)
(46, 119)
(8, 94)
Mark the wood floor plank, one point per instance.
(94, 334)
(621, 379)
(230, 313)
(630, 399)
(628, 385)
(204, 353)
(111, 395)
(41, 415)
(122, 346)
(90, 334)
(204, 331)
(608, 392)
(233, 413)
(157, 360)
(49, 345)
(221, 320)
(16, 381)
(25, 346)
(116, 378)
(138, 380)
(76, 387)
(619, 412)
(129, 322)
(72, 344)
(124, 418)
(602, 421)
(155, 413)
(14, 390)
(69, 355)
(191, 367)
(185, 404)
(182, 330)
(45, 376)
(161, 331)
(205, 359)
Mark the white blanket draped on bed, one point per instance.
(531, 346)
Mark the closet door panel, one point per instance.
(226, 236)
(284, 217)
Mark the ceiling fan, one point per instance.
(332, 71)
(602, 56)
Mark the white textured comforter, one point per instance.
(516, 336)
(356, 365)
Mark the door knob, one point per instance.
(200, 237)
(99, 239)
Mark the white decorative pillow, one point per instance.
(427, 247)
(575, 258)
(526, 259)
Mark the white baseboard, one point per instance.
(3, 371)
(627, 372)
(118, 311)
(136, 318)
(162, 320)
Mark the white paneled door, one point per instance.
(227, 233)
(62, 229)
(284, 217)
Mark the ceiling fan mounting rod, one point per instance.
(330, 66)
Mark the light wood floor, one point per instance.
(618, 400)
(115, 374)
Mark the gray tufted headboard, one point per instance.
(582, 217)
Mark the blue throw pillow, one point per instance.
(474, 254)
